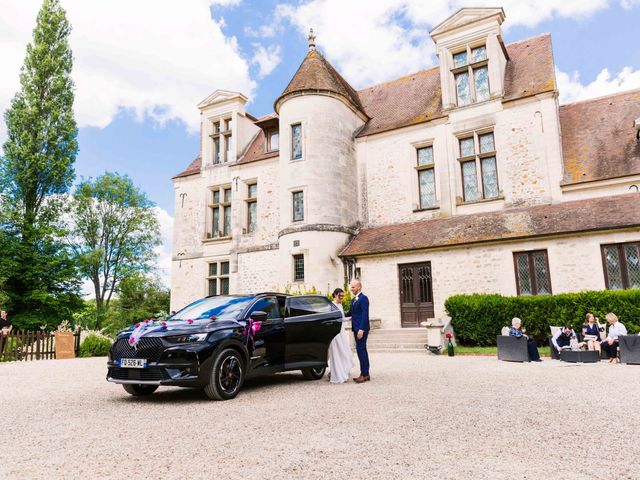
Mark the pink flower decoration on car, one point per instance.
(137, 325)
(213, 317)
(131, 340)
(189, 321)
(448, 335)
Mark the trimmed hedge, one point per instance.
(95, 346)
(478, 319)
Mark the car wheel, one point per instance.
(227, 375)
(315, 373)
(138, 390)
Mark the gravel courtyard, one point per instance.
(420, 417)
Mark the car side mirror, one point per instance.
(259, 316)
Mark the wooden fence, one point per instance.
(31, 345)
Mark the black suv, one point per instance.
(217, 342)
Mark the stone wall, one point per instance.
(575, 264)
(527, 140)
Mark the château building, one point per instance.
(467, 177)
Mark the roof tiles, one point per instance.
(594, 214)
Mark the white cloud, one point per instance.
(391, 38)
(573, 90)
(226, 3)
(163, 264)
(266, 58)
(629, 4)
(155, 58)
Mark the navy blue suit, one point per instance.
(359, 313)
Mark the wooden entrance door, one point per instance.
(416, 293)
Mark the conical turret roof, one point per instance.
(316, 74)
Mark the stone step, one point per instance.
(396, 350)
(398, 346)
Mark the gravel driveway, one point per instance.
(420, 417)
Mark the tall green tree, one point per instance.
(36, 168)
(114, 234)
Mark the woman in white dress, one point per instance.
(340, 355)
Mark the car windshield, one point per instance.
(222, 307)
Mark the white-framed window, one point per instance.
(273, 140)
(297, 204)
(471, 75)
(220, 212)
(252, 207)
(296, 141)
(222, 138)
(218, 278)
(425, 167)
(298, 267)
(478, 166)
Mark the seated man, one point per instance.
(516, 331)
(563, 338)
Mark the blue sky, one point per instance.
(141, 67)
(151, 153)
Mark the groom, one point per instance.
(359, 313)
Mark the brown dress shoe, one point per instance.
(362, 379)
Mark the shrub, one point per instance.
(477, 319)
(95, 346)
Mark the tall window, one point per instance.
(621, 265)
(252, 207)
(298, 268)
(426, 177)
(296, 141)
(273, 140)
(217, 157)
(218, 278)
(532, 273)
(220, 208)
(298, 206)
(478, 162)
(222, 140)
(228, 139)
(471, 74)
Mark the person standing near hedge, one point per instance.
(610, 344)
(517, 331)
(5, 329)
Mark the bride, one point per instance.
(340, 356)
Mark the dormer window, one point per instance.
(273, 138)
(222, 137)
(471, 74)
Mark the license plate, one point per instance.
(133, 363)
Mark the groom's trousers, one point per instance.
(361, 350)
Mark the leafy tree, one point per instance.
(139, 297)
(114, 234)
(35, 170)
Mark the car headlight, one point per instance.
(188, 338)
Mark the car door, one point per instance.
(268, 354)
(311, 322)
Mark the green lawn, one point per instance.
(464, 350)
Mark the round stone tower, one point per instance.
(319, 113)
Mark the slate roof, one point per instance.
(316, 74)
(599, 139)
(255, 150)
(417, 98)
(192, 169)
(607, 213)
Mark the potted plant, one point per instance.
(63, 336)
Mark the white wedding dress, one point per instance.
(340, 356)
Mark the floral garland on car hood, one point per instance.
(149, 326)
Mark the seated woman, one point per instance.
(563, 337)
(516, 331)
(591, 332)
